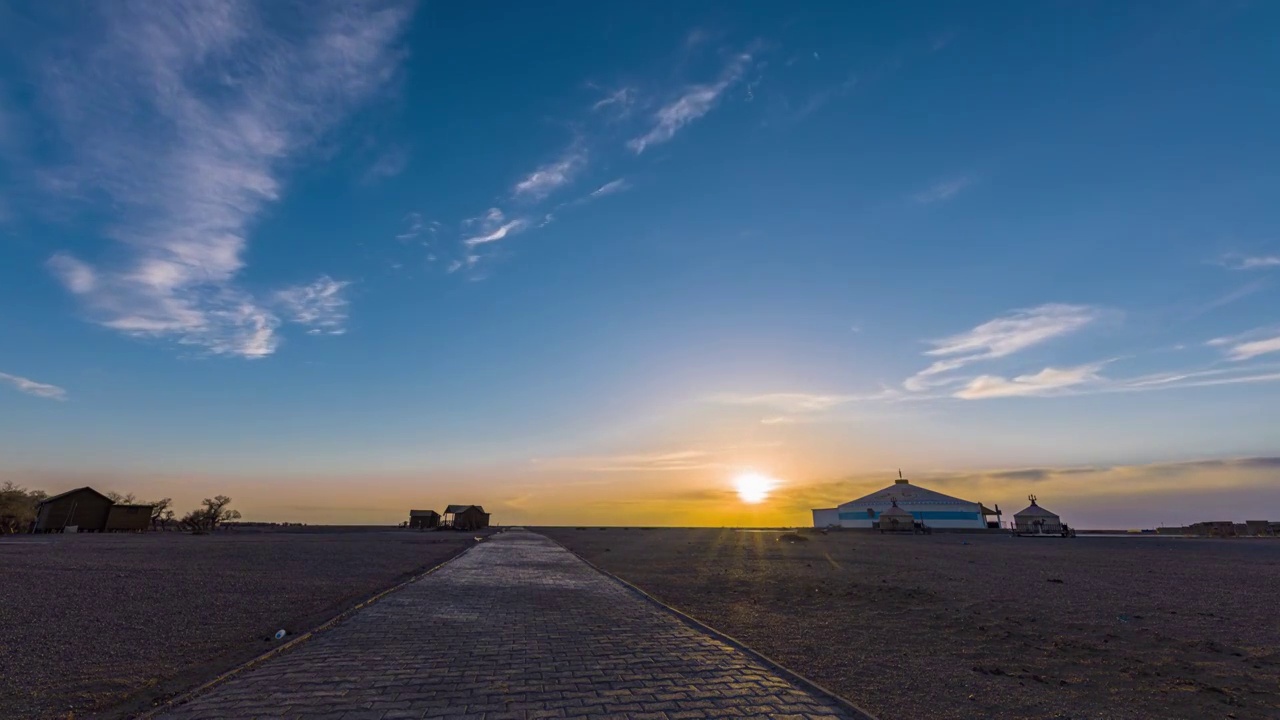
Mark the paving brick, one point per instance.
(518, 628)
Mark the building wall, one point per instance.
(420, 522)
(86, 509)
(471, 519)
(1052, 526)
(937, 516)
(826, 517)
(129, 517)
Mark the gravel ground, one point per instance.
(105, 624)
(979, 626)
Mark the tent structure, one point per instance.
(1035, 520)
(895, 518)
(928, 506)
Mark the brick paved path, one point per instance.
(516, 628)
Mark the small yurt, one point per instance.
(1035, 520)
(895, 518)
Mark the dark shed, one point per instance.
(128, 518)
(465, 517)
(83, 508)
(424, 519)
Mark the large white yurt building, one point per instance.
(929, 506)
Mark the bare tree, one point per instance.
(211, 513)
(119, 499)
(160, 513)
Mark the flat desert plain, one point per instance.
(105, 625)
(982, 626)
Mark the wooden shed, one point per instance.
(465, 517)
(424, 519)
(128, 518)
(84, 509)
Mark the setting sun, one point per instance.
(753, 487)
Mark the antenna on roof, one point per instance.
(1032, 498)
(899, 473)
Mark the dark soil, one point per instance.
(978, 626)
(105, 625)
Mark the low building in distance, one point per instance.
(87, 510)
(1035, 520)
(424, 519)
(930, 507)
(464, 517)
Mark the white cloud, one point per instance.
(185, 123)
(31, 387)
(999, 338)
(546, 179)
(1049, 381)
(77, 276)
(792, 402)
(493, 226)
(696, 101)
(413, 227)
(673, 461)
(618, 102)
(609, 188)
(943, 191)
(321, 305)
(1235, 261)
(390, 163)
(1248, 345)
(497, 233)
(1247, 350)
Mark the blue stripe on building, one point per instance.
(918, 515)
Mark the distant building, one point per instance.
(826, 517)
(464, 517)
(1035, 520)
(128, 518)
(83, 509)
(424, 519)
(87, 510)
(895, 519)
(1214, 528)
(933, 508)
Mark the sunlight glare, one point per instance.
(753, 487)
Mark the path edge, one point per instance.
(189, 695)
(791, 675)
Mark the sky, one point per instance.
(592, 262)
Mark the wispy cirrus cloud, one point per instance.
(552, 176)
(321, 306)
(617, 103)
(944, 190)
(1049, 381)
(183, 121)
(1250, 344)
(1000, 337)
(610, 188)
(31, 387)
(672, 461)
(694, 102)
(493, 226)
(390, 163)
(1236, 261)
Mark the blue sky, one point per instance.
(519, 251)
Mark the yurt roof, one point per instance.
(907, 494)
(1034, 510)
(895, 510)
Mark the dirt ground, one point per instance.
(102, 625)
(979, 626)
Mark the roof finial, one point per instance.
(1032, 498)
(899, 473)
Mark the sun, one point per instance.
(753, 487)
